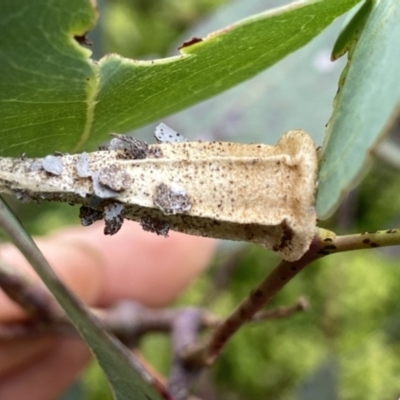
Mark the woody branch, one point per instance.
(324, 243)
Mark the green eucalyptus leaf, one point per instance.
(367, 102)
(46, 78)
(295, 93)
(53, 97)
(350, 33)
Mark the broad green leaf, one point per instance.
(117, 362)
(45, 75)
(350, 33)
(53, 97)
(296, 92)
(368, 99)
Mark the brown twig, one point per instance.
(324, 243)
(32, 328)
(127, 320)
(185, 330)
(206, 353)
(30, 295)
(281, 312)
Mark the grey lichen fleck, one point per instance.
(115, 178)
(101, 190)
(35, 166)
(155, 225)
(82, 166)
(113, 218)
(132, 148)
(171, 199)
(53, 165)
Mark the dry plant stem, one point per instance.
(185, 330)
(202, 188)
(282, 312)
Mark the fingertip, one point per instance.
(48, 376)
(132, 264)
(145, 267)
(152, 269)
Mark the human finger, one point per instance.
(48, 375)
(142, 266)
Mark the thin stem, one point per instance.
(30, 295)
(367, 240)
(30, 329)
(282, 312)
(185, 330)
(206, 353)
(324, 243)
(129, 321)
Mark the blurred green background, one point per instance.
(347, 346)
